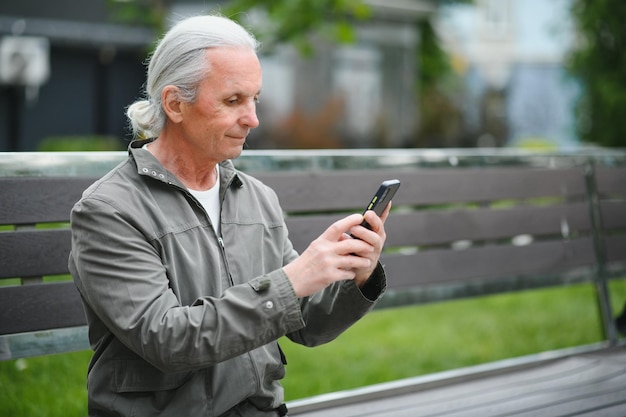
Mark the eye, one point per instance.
(234, 100)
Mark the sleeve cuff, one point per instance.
(375, 285)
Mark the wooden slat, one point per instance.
(613, 214)
(312, 191)
(39, 199)
(436, 267)
(431, 227)
(34, 252)
(36, 307)
(304, 229)
(333, 190)
(435, 227)
(611, 180)
(491, 184)
(615, 248)
(614, 410)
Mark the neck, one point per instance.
(194, 173)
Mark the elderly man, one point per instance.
(184, 264)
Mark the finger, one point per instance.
(336, 230)
(375, 222)
(358, 246)
(354, 262)
(372, 215)
(385, 214)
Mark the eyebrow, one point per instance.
(241, 93)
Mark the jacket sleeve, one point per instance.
(123, 282)
(330, 312)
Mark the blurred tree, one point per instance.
(599, 62)
(292, 21)
(149, 13)
(441, 123)
(439, 115)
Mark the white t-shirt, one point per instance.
(210, 200)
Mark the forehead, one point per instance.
(236, 69)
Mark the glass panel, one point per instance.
(98, 163)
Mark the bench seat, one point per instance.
(570, 383)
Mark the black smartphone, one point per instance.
(381, 199)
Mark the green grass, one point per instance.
(45, 386)
(383, 346)
(404, 342)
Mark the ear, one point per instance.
(171, 103)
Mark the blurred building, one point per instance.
(511, 54)
(76, 71)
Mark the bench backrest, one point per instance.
(39, 246)
(454, 232)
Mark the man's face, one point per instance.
(217, 123)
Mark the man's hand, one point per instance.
(335, 256)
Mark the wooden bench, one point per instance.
(464, 224)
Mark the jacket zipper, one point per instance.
(220, 241)
(223, 249)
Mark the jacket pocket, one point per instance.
(140, 390)
(270, 362)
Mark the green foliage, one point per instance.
(149, 13)
(293, 21)
(434, 63)
(599, 62)
(81, 143)
(437, 83)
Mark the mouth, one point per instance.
(240, 138)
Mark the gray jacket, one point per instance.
(182, 321)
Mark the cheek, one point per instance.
(214, 120)
(226, 119)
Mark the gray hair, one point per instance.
(180, 60)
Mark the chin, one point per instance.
(235, 151)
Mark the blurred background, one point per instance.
(337, 73)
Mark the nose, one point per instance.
(249, 118)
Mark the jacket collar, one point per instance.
(149, 166)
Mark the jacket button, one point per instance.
(269, 304)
